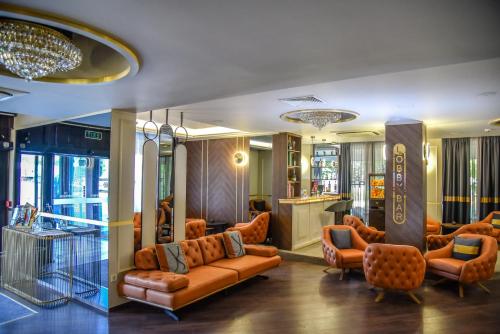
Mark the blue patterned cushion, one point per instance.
(341, 238)
(171, 258)
(496, 220)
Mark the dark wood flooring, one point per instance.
(297, 298)
(300, 298)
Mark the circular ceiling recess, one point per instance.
(104, 58)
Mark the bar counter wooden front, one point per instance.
(299, 221)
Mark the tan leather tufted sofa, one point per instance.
(342, 258)
(495, 233)
(367, 234)
(210, 271)
(482, 268)
(433, 227)
(439, 241)
(254, 232)
(394, 267)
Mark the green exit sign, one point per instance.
(94, 135)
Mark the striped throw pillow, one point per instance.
(466, 249)
(233, 243)
(171, 258)
(496, 220)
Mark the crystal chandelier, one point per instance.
(32, 51)
(319, 118)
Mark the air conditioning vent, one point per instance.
(7, 93)
(299, 100)
(354, 134)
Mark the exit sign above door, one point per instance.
(94, 135)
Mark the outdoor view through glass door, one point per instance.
(80, 187)
(31, 180)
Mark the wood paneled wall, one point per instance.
(217, 189)
(412, 232)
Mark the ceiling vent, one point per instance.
(354, 134)
(7, 93)
(299, 100)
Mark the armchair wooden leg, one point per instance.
(461, 290)
(342, 274)
(485, 289)
(380, 296)
(413, 297)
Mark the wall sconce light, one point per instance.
(427, 152)
(240, 159)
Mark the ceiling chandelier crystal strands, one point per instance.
(32, 51)
(319, 118)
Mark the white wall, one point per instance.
(434, 181)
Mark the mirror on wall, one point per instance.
(164, 229)
(260, 172)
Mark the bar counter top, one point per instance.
(308, 200)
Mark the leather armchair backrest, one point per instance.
(367, 234)
(195, 228)
(489, 218)
(400, 267)
(439, 241)
(357, 241)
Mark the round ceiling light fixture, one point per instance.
(31, 51)
(40, 46)
(319, 118)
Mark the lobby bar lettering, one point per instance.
(399, 184)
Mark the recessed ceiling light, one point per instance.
(491, 93)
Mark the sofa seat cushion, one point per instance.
(450, 265)
(133, 291)
(156, 280)
(248, 265)
(352, 255)
(203, 280)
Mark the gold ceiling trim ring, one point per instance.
(44, 18)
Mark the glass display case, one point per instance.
(325, 169)
(376, 213)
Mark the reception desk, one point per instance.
(299, 221)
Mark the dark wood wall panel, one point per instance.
(413, 231)
(216, 188)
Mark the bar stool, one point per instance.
(338, 208)
(348, 206)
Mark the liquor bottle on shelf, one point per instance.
(290, 147)
(294, 177)
(329, 187)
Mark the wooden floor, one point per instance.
(300, 298)
(297, 298)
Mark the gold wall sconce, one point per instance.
(240, 158)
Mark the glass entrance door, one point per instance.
(80, 187)
(31, 180)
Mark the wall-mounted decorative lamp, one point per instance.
(427, 152)
(240, 159)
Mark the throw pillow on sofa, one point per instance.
(466, 249)
(341, 238)
(171, 258)
(233, 243)
(496, 220)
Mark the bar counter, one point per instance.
(299, 221)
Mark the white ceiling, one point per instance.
(193, 51)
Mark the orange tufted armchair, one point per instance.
(368, 234)
(481, 268)
(496, 231)
(343, 258)
(137, 231)
(395, 267)
(254, 232)
(433, 226)
(439, 241)
(195, 228)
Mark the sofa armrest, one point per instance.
(145, 259)
(482, 267)
(156, 280)
(259, 250)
